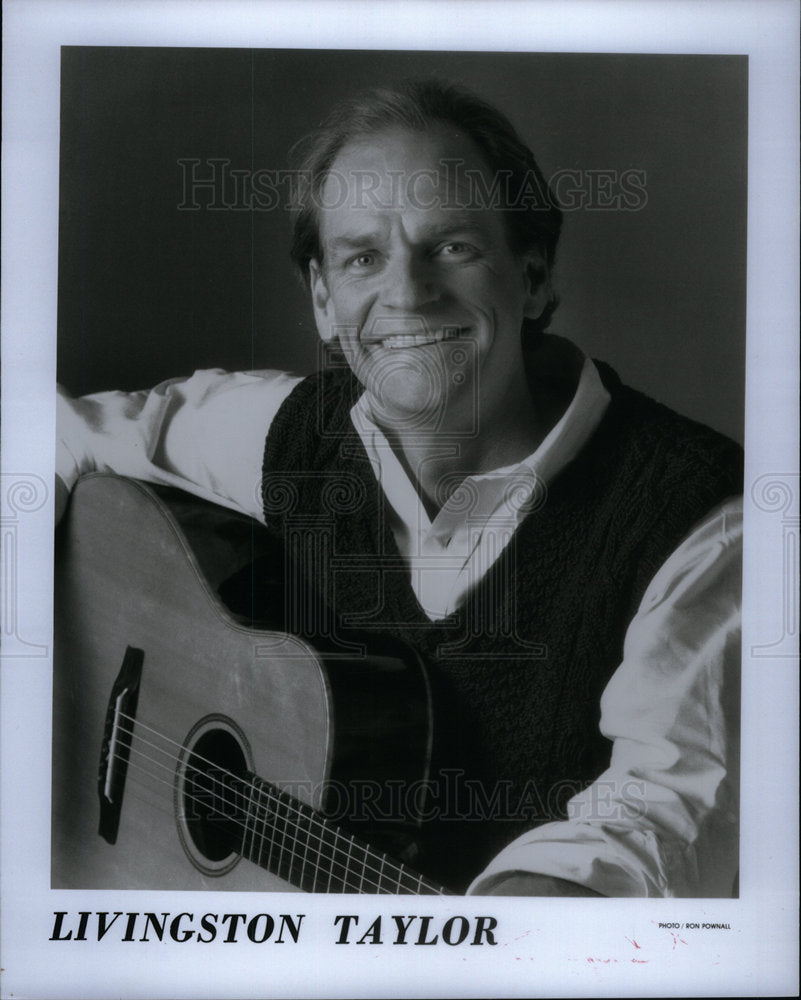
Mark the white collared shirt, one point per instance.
(662, 820)
(452, 553)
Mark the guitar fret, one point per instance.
(273, 803)
(289, 842)
(306, 880)
(403, 881)
(342, 869)
(339, 885)
(323, 844)
(250, 827)
(261, 808)
(347, 864)
(328, 849)
(305, 855)
(278, 865)
(261, 819)
(316, 871)
(361, 869)
(301, 837)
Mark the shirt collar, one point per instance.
(481, 496)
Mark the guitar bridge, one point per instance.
(116, 747)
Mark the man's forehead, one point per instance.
(438, 175)
(392, 152)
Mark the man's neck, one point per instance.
(506, 434)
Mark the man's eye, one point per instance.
(456, 249)
(363, 260)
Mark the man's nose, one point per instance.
(408, 284)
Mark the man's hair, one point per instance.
(533, 218)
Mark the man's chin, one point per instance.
(403, 404)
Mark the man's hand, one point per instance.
(530, 884)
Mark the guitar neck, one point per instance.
(290, 839)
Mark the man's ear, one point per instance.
(538, 285)
(321, 303)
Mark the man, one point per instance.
(561, 551)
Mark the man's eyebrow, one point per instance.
(453, 227)
(437, 231)
(354, 242)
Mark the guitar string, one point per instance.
(214, 796)
(331, 859)
(260, 804)
(289, 862)
(416, 881)
(310, 818)
(282, 859)
(337, 835)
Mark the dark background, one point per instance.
(148, 291)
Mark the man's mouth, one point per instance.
(398, 341)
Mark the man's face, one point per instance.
(418, 282)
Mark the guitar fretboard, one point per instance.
(291, 840)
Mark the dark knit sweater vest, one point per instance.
(518, 671)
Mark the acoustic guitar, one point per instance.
(192, 750)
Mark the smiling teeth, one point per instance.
(400, 340)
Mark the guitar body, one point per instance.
(128, 580)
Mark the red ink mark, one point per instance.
(640, 961)
(630, 941)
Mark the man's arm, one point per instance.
(531, 884)
(204, 434)
(62, 497)
(662, 820)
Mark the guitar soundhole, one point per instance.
(212, 794)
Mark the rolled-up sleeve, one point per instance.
(662, 820)
(204, 434)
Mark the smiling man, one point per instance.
(561, 551)
(421, 288)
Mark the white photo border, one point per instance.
(547, 947)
